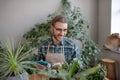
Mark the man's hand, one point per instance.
(55, 65)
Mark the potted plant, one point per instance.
(14, 62)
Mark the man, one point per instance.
(57, 49)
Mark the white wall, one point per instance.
(104, 20)
(18, 16)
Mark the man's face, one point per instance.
(59, 30)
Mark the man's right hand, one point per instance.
(55, 65)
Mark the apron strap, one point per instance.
(62, 49)
(48, 48)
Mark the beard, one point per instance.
(58, 37)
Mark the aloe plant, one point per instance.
(13, 61)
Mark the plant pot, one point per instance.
(23, 76)
(39, 76)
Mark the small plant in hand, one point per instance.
(64, 71)
(73, 71)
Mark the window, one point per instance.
(115, 18)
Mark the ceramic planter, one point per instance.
(23, 76)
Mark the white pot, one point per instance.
(23, 76)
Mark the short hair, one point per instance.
(59, 18)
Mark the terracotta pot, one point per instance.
(39, 76)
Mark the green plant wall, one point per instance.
(77, 29)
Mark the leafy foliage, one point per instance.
(77, 29)
(1, 48)
(73, 71)
(33, 36)
(14, 61)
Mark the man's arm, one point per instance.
(41, 50)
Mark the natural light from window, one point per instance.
(115, 19)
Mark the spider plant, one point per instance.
(14, 61)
